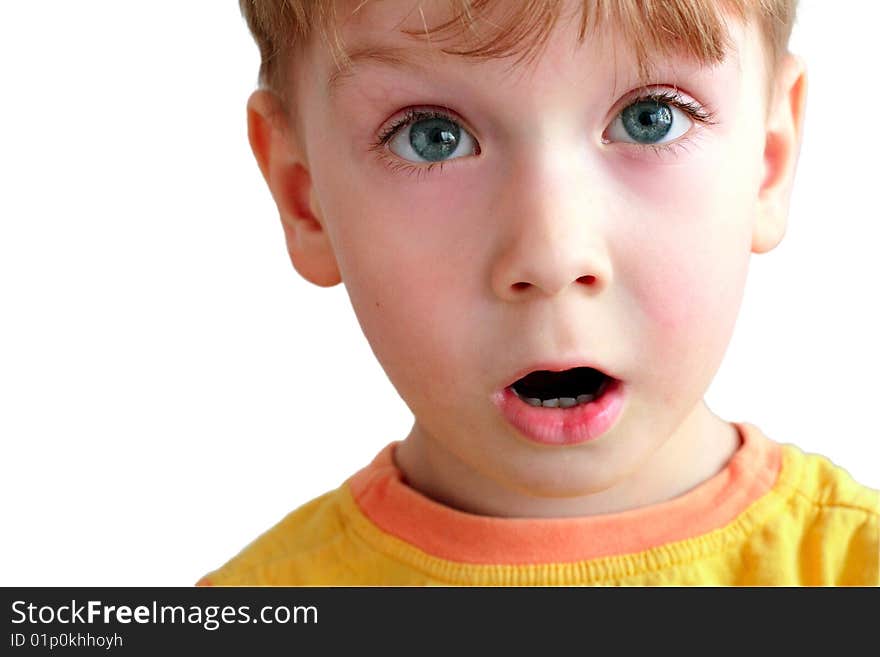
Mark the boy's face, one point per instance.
(548, 234)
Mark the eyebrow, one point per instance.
(389, 56)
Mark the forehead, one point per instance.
(391, 34)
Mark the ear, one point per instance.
(784, 132)
(280, 158)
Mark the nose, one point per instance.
(553, 234)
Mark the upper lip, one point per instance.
(558, 366)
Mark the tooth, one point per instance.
(567, 402)
(581, 399)
(550, 403)
(532, 401)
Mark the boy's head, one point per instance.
(596, 203)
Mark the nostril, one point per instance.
(589, 280)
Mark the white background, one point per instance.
(169, 384)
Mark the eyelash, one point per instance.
(701, 116)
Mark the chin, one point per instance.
(563, 483)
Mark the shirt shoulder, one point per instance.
(290, 550)
(834, 522)
(824, 484)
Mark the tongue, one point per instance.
(544, 384)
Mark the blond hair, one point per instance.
(283, 28)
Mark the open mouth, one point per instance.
(558, 405)
(573, 387)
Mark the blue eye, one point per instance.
(434, 139)
(429, 137)
(647, 122)
(656, 119)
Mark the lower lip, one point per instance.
(563, 426)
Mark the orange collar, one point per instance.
(448, 533)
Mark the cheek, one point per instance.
(408, 270)
(685, 273)
(417, 330)
(682, 290)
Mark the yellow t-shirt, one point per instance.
(773, 516)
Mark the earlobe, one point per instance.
(287, 176)
(784, 132)
(769, 228)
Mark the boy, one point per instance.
(547, 256)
